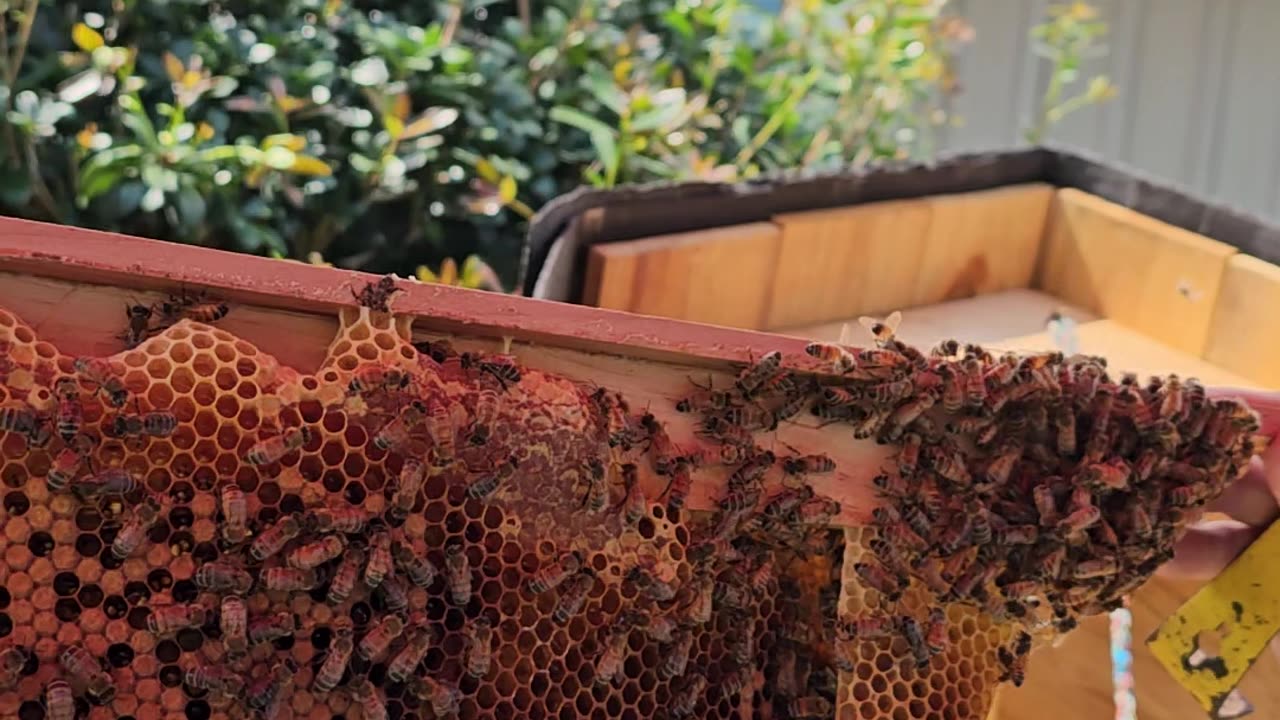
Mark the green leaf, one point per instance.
(602, 138)
(431, 120)
(602, 87)
(103, 170)
(669, 106)
(191, 207)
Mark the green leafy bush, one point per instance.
(391, 136)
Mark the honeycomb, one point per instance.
(399, 439)
(421, 533)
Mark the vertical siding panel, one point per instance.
(1208, 94)
(990, 71)
(1247, 147)
(1162, 97)
(1123, 52)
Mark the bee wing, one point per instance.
(893, 321)
(870, 323)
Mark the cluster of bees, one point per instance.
(1035, 487)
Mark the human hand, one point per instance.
(1252, 503)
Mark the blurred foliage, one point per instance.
(390, 136)
(475, 274)
(1071, 35)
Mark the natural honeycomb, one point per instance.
(299, 447)
(419, 533)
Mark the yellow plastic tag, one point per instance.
(1239, 611)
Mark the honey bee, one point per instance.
(816, 511)
(442, 431)
(479, 647)
(12, 660)
(726, 432)
(191, 306)
(394, 593)
(1113, 475)
(866, 627)
(904, 415)
(841, 360)
(696, 609)
(685, 702)
(63, 469)
(552, 575)
(811, 707)
(751, 378)
(336, 659)
(21, 420)
(1080, 519)
(371, 705)
(444, 698)
(956, 534)
(275, 448)
(172, 618)
(59, 701)
(112, 481)
(915, 638)
(1095, 568)
(882, 330)
(574, 595)
(397, 433)
(406, 661)
(677, 658)
(808, 465)
(344, 578)
(1131, 403)
(371, 378)
(634, 504)
(750, 417)
(643, 576)
(84, 670)
(704, 400)
(214, 678)
(975, 385)
(908, 459)
(421, 571)
(69, 416)
(380, 560)
(158, 424)
(1185, 496)
(1000, 466)
(487, 484)
(752, 470)
(264, 691)
(1046, 504)
(235, 514)
(273, 539)
(315, 554)
(349, 520)
(377, 295)
(953, 389)
(134, 532)
(900, 535)
(233, 621)
(223, 577)
(949, 465)
(101, 374)
(1015, 666)
(1017, 534)
(375, 643)
(289, 579)
(458, 574)
(503, 369)
(879, 579)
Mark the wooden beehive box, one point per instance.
(980, 248)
